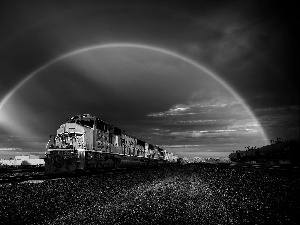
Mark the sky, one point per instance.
(202, 78)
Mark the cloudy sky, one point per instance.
(202, 78)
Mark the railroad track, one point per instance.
(22, 170)
(21, 176)
(43, 176)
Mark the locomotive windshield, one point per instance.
(82, 120)
(86, 122)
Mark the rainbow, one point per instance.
(139, 46)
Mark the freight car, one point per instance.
(85, 142)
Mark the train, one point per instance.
(87, 143)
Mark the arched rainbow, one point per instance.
(132, 45)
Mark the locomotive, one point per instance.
(87, 143)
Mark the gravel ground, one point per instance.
(190, 194)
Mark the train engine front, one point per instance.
(66, 149)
